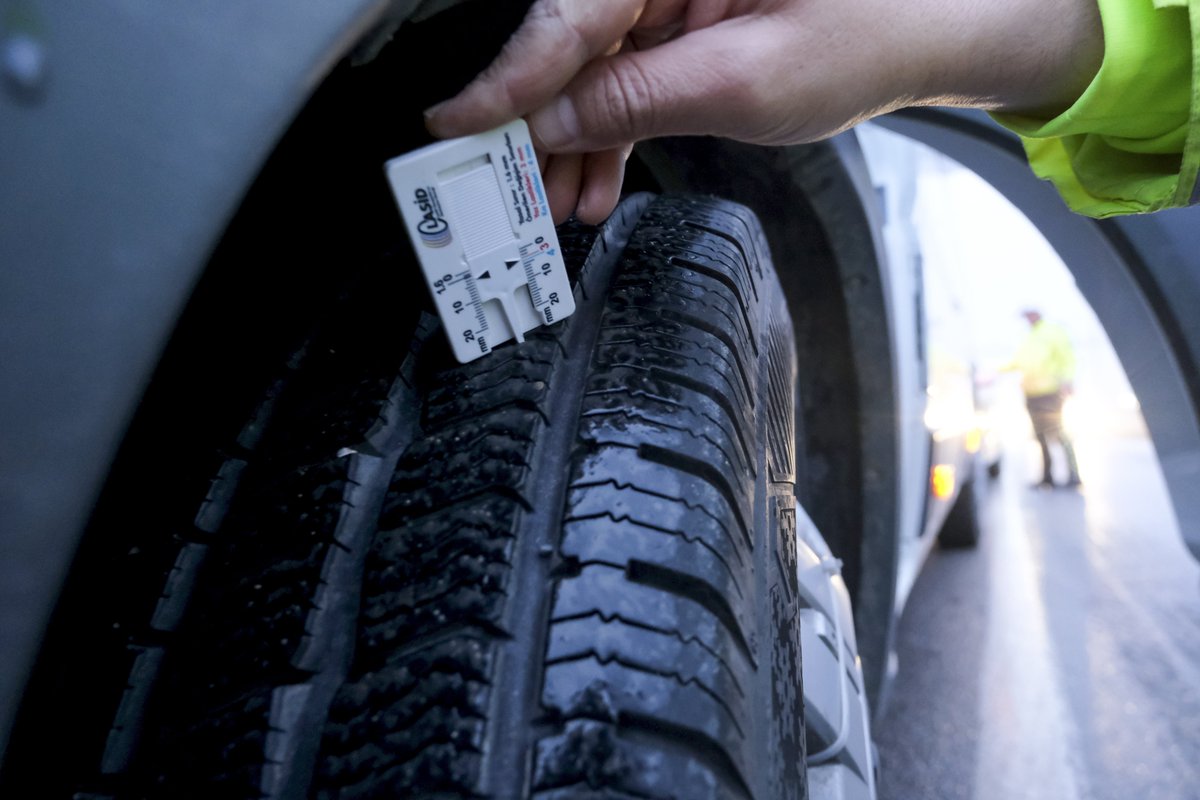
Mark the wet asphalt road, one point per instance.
(1060, 660)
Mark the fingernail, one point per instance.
(556, 124)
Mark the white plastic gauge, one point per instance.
(476, 213)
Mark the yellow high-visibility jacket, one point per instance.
(1046, 360)
(1131, 142)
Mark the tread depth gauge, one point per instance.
(477, 216)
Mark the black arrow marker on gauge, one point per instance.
(487, 273)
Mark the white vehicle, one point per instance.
(262, 536)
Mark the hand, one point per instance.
(595, 76)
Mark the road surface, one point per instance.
(1061, 659)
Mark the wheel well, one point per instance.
(318, 211)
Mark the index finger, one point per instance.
(557, 38)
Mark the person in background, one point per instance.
(1046, 361)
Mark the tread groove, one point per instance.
(616, 484)
(705, 472)
(627, 663)
(635, 416)
(608, 619)
(721, 278)
(667, 531)
(648, 347)
(699, 592)
(639, 393)
(720, 234)
(685, 382)
(684, 318)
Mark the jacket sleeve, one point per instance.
(1131, 142)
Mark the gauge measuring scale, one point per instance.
(476, 213)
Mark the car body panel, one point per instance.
(118, 174)
(935, 402)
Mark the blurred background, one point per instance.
(997, 264)
(1061, 658)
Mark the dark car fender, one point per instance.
(127, 146)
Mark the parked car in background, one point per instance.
(262, 536)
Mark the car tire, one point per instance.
(962, 526)
(567, 569)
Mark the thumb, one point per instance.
(697, 83)
(556, 40)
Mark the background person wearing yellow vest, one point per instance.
(1046, 361)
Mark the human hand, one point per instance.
(595, 76)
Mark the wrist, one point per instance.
(1032, 57)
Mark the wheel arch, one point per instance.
(1139, 274)
(124, 167)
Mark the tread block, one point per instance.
(220, 495)
(177, 590)
(622, 542)
(697, 320)
(713, 422)
(608, 591)
(694, 291)
(634, 430)
(266, 642)
(647, 354)
(481, 388)
(665, 512)
(123, 737)
(650, 649)
(626, 692)
(274, 552)
(675, 390)
(653, 637)
(598, 760)
(669, 474)
(378, 720)
(738, 227)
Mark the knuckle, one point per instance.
(628, 99)
(562, 25)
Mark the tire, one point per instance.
(566, 570)
(962, 526)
